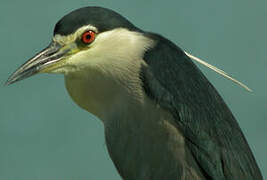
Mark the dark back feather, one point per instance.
(212, 133)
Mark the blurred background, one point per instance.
(44, 135)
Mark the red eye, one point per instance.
(88, 37)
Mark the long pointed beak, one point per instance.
(50, 55)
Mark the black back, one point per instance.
(211, 131)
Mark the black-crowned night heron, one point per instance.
(162, 117)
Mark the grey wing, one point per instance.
(212, 134)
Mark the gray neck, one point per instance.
(144, 143)
(143, 140)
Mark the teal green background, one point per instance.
(44, 135)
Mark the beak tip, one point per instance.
(8, 82)
(33, 66)
(12, 79)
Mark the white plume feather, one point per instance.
(221, 72)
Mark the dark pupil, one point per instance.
(88, 36)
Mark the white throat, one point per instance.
(106, 78)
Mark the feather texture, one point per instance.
(211, 132)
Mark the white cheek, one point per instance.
(112, 51)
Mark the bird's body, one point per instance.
(162, 117)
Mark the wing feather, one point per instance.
(211, 132)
